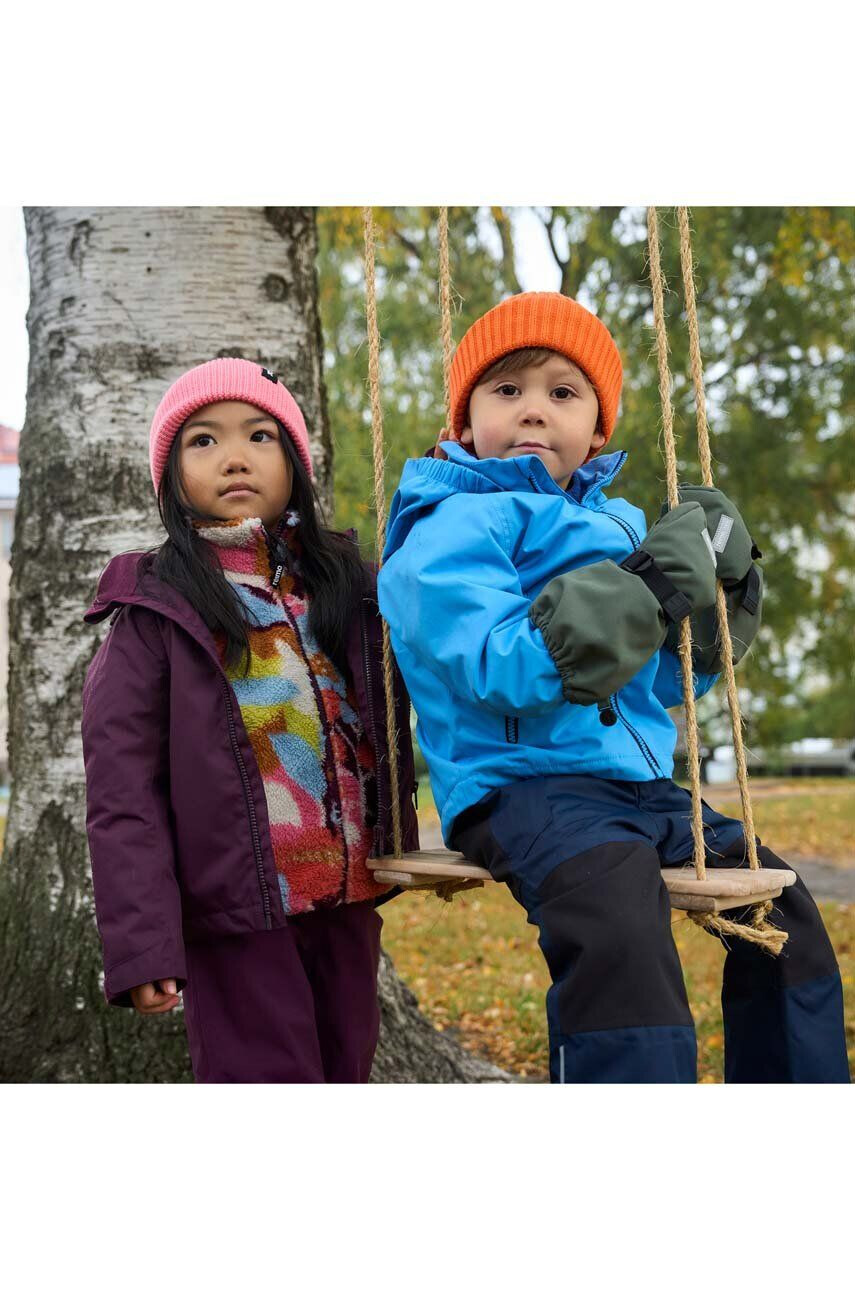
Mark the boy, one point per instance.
(535, 622)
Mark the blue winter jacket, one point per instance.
(470, 544)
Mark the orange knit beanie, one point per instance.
(548, 320)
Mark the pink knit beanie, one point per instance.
(223, 379)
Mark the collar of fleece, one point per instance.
(246, 549)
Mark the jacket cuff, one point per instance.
(157, 963)
(600, 624)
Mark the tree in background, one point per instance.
(775, 311)
(411, 363)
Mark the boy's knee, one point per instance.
(616, 885)
(604, 920)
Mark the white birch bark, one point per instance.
(122, 301)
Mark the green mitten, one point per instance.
(677, 548)
(603, 622)
(744, 608)
(742, 580)
(729, 538)
(600, 624)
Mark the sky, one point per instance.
(535, 267)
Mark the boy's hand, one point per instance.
(730, 539)
(741, 578)
(601, 623)
(680, 547)
(156, 996)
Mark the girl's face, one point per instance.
(232, 463)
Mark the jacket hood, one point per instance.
(124, 583)
(119, 584)
(426, 481)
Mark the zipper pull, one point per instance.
(608, 716)
(279, 558)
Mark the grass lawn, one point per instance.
(800, 819)
(477, 971)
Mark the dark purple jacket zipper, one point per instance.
(250, 806)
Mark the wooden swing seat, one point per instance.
(721, 889)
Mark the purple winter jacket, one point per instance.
(177, 819)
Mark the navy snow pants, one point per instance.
(295, 1005)
(582, 856)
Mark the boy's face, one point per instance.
(548, 409)
(232, 463)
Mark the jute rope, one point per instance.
(447, 890)
(445, 309)
(705, 457)
(760, 931)
(670, 450)
(380, 507)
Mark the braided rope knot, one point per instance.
(759, 931)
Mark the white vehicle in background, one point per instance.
(806, 757)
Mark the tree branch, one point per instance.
(412, 247)
(549, 225)
(503, 227)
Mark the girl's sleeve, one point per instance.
(125, 729)
(452, 595)
(668, 682)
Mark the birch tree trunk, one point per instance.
(122, 301)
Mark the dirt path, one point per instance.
(713, 793)
(826, 881)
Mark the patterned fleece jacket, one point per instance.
(301, 717)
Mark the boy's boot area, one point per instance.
(783, 1017)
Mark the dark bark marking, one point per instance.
(79, 244)
(275, 287)
(291, 222)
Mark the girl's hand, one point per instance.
(156, 996)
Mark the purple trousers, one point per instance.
(296, 1005)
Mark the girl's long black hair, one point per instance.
(330, 565)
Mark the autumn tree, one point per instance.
(775, 309)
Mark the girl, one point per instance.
(235, 745)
